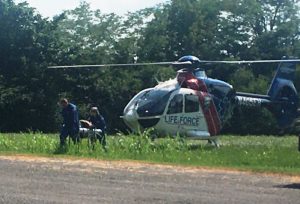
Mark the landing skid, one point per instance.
(213, 142)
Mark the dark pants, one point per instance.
(65, 132)
(101, 138)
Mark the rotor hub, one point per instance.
(195, 62)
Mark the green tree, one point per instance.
(272, 27)
(221, 29)
(23, 51)
(182, 28)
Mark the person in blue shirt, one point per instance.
(97, 122)
(70, 125)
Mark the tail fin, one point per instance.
(283, 94)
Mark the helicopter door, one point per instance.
(193, 117)
(173, 114)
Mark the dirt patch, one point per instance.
(92, 165)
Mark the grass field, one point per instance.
(255, 153)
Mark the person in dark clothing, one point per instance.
(96, 119)
(97, 122)
(70, 125)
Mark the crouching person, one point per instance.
(98, 125)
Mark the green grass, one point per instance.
(255, 153)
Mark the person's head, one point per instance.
(63, 102)
(94, 111)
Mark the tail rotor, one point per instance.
(283, 95)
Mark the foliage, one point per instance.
(221, 29)
(23, 53)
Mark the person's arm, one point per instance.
(67, 115)
(102, 123)
(75, 118)
(72, 120)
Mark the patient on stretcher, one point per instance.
(94, 125)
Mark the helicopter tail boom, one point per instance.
(281, 98)
(253, 100)
(283, 94)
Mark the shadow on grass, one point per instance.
(193, 147)
(60, 150)
(290, 186)
(206, 147)
(75, 149)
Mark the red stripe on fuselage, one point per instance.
(188, 80)
(210, 114)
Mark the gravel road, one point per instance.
(26, 179)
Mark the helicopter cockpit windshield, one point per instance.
(200, 73)
(153, 102)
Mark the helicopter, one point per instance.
(196, 106)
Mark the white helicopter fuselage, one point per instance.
(189, 123)
(182, 112)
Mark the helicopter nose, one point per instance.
(131, 120)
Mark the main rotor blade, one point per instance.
(110, 65)
(175, 64)
(249, 61)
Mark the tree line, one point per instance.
(211, 30)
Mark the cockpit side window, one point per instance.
(153, 102)
(191, 104)
(176, 104)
